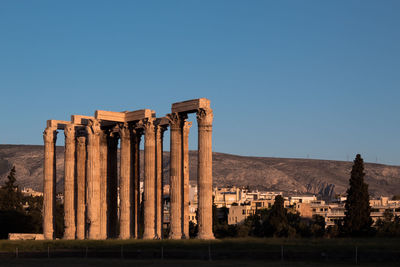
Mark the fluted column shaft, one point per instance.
(69, 182)
(204, 120)
(112, 186)
(49, 181)
(135, 182)
(93, 180)
(103, 185)
(124, 184)
(185, 179)
(176, 176)
(80, 186)
(149, 179)
(159, 181)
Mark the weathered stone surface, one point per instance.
(191, 105)
(80, 187)
(126, 116)
(135, 187)
(19, 236)
(49, 181)
(138, 115)
(160, 129)
(124, 182)
(93, 180)
(110, 115)
(103, 185)
(81, 120)
(57, 124)
(185, 178)
(69, 182)
(149, 179)
(176, 122)
(204, 180)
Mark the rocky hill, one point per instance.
(323, 177)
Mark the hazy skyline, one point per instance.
(285, 79)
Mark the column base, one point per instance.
(48, 236)
(185, 236)
(69, 235)
(175, 236)
(205, 236)
(149, 237)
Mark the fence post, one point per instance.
(16, 252)
(48, 251)
(356, 255)
(209, 252)
(122, 251)
(162, 252)
(282, 258)
(86, 252)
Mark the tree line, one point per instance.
(278, 221)
(23, 214)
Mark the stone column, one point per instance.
(149, 179)
(103, 185)
(185, 179)
(49, 181)
(69, 182)
(135, 182)
(112, 186)
(204, 120)
(124, 182)
(93, 180)
(176, 176)
(80, 186)
(159, 180)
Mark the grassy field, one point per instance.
(166, 263)
(234, 243)
(232, 252)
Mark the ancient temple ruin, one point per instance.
(92, 183)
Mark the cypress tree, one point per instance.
(277, 222)
(10, 196)
(357, 221)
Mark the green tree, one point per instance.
(318, 226)
(13, 217)
(357, 221)
(277, 222)
(10, 196)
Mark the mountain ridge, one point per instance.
(289, 175)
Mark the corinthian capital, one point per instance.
(187, 125)
(69, 132)
(204, 117)
(93, 127)
(81, 141)
(148, 125)
(124, 131)
(176, 120)
(50, 135)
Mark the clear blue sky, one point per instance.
(286, 78)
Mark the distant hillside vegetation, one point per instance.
(324, 177)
